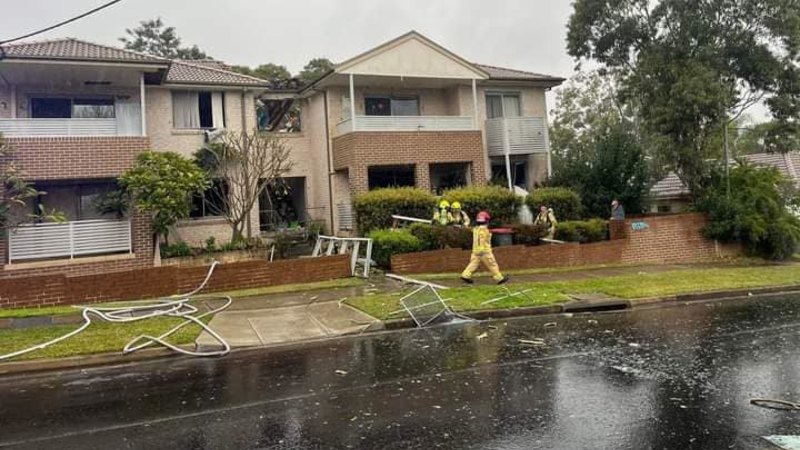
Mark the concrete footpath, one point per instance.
(287, 318)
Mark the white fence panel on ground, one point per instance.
(70, 239)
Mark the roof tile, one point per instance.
(75, 50)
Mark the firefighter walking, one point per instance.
(482, 251)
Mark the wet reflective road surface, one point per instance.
(667, 378)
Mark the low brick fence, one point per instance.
(662, 239)
(52, 290)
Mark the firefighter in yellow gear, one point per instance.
(441, 215)
(547, 218)
(482, 251)
(457, 216)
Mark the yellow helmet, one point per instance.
(456, 205)
(444, 204)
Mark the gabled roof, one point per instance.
(502, 73)
(75, 50)
(205, 73)
(669, 187)
(412, 36)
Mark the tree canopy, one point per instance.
(315, 68)
(152, 37)
(694, 66)
(275, 73)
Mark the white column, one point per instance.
(352, 103)
(507, 151)
(547, 147)
(142, 105)
(13, 101)
(475, 104)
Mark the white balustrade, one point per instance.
(407, 123)
(516, 136)
(69, 239)
(58, 127)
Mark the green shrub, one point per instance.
(233, 246)
(386, 243)
(211, 244)
(584, 231)
(374, 209)
(755, 213)
(529, 234)
(430, 237)
(176, 250)
(456, 237)
(500, 202)
(566, 203)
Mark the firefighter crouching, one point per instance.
(482, 251)
(457, 216)
(547, 218)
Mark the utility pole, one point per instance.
(727, 158)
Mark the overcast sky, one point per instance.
(520, 34)
(524, 34)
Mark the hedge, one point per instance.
(593, 230)
(498, 201)
(566, 203)
(374, 209)
(432, 237)
(386, 243)
(529, 234)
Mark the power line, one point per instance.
(60, 24)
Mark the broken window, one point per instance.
(391, 106)
(278, 116)
(212, 202)
(198, 109)
(391, 176)
(449, 176)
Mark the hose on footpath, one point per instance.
(176, 306)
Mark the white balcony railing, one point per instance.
(69, 240)
(407, 123)
(58, 127)
(516, 136)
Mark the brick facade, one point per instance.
(60, 158)
(39, 290)
(357, 151)
(666, 239)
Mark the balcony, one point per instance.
(516, 136)
(70, 127)
(407, 123)
(69, 240)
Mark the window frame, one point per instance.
(207, 211)
(392, 99)
(73, 99)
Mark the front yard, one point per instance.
(635, 286)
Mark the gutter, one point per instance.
(328, 154)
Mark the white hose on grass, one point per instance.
(175, 306)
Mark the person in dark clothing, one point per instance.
(617, 210)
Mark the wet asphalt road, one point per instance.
(669, 378)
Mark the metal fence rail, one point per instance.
(70, 239)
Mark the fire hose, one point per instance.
(176, 306)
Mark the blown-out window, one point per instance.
(212, 202)
(198, 109)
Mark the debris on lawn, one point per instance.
(482, 336)
(534, 341)
(550, 325)
(340, 372)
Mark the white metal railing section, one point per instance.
(58, 127)
(516, 136)
(69, 240)
(407, 123)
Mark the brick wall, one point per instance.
(667, 239)
(61, 289)
(59, 158)
(358, 151)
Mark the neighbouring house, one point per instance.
(76, 115)
(670, 195)
(406, 113)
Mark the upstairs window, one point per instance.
(198, 109)
(391, 106)
(72, 108)
(503, 105)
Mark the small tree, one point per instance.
(151, 36)
(15, 191)
(315, 68)
(162, 184)
(248, 162)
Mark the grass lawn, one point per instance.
(100, 337)
(65, 310)
(633, 286)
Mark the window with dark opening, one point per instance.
(198, 110)
(391, 176)
(212, 202)
(206, 115)
(391, 106)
